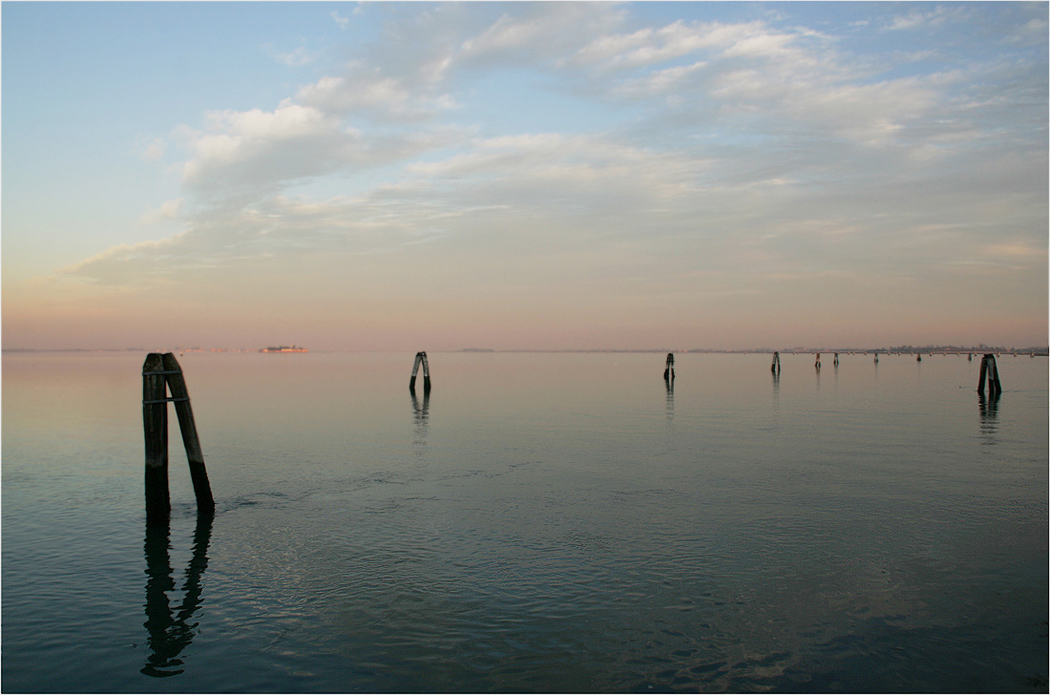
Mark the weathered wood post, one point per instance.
(776, 363)
(876, 358)
(669, 367)
(161, 373)
(918, 357)
(180, 396)
(836, 362)
(155, 429)
(421, 359)
(817, 364)
(989, 369)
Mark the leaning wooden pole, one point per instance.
(181, 398)
(155, 430)
(161, 373)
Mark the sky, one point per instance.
(417, 176)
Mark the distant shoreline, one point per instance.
(903, 350)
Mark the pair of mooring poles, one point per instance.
(161, 373)
(989, 370)
(421, 359)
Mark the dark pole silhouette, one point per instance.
(155, 429)
(669, 368)
(989, 369)
(161, 373)
(421, 358)
(776, 363)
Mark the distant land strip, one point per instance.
(901, 349)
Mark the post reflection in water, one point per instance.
(776, 388)
(171, 631)
(669, 385)
(989, 417)
(421, 412)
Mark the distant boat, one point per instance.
(284, 348)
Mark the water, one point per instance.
(540, 522)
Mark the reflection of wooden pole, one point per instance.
(155, 429)
(181, 397)
(160, 371)
(170, 633)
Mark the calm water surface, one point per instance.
(540, 522)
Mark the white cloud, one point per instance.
(263, 148)
(169, 210)
(753, 150)
(155, 150)
(650, 46)
(541, 32)
(294, 58)
(932, 18)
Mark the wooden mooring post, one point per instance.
(421, 359)
(669, 367)
(817, 363)
(161, 373)
(989, 369)
(776, 363)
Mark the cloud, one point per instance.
(295, 58)
(751, 156)
(154, 150)
(340, 20)
(650, 46)
(540, 33)
(917, 19)
(364, 92)
(169, 210)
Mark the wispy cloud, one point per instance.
(752, 152)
